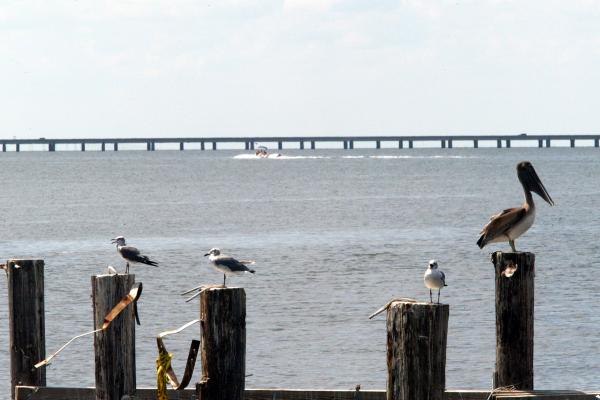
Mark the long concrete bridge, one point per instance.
(305, 142)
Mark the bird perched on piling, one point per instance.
(227, 264)
(131, 254)
(511, 223)
(434, 279)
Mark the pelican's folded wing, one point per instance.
(501, 223)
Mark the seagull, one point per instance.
(434, 279)
(511, 223)
(131, 254)
(227, 264)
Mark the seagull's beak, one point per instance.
(113, 240)
(207, 254)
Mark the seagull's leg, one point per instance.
(512, 245)
(127, 268)
(430, 296)
(224, 277)
(438, 296)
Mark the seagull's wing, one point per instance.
(129, 252)
(231, 263)
(443, 277)
(500, 224)
(132, 254)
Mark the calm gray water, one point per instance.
(334, 239)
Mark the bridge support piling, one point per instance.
(443, 144)
(246, 146)
(82, 146)
(410, 144)
(280, 145)
(115, 146)
(378, 144)
(312, 145)
(351, 144)
(201, 145)
(540, 143)
(596, 142)
(449, 143)
(17, 147)
(548, 143)
(572, 142)
(302, 145)
(475, 144)
(499, 143)
(345, 145)
(4, 147)
(214, 145)
(508, 144)
(252, 145)
(400, 144)
(51, 146)
(103, 146)
(181, 146)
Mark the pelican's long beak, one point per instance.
(532, 182)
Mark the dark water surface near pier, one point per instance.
(334, 238)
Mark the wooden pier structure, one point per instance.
(416, 344)
(303, 142)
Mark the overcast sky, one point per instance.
(294, 67)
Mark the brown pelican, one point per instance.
(513, 222)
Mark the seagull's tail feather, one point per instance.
(145, 260)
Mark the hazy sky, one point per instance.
(293, 67)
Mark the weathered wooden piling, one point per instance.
(416, 350)
(26, 321)
(114, 348)
(223, 332)
(514, 319)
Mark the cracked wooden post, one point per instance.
(114, 348)
(514, 320)
(223, 332)
(26, 321)
(416, 350)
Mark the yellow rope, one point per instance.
(163, 363)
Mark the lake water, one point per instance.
(335, 235)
